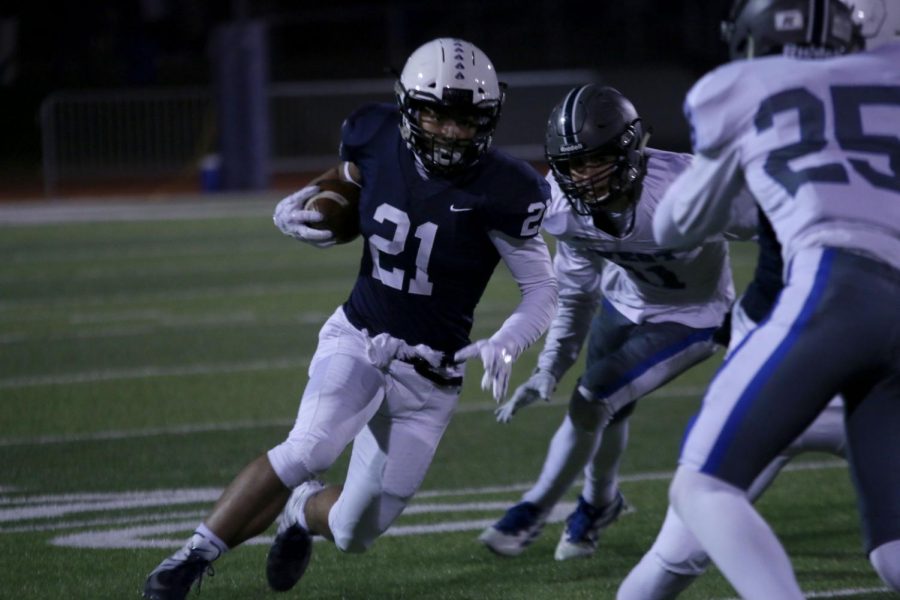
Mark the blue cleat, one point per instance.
(520, 526)
(584, 526)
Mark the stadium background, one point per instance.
(651, 50)
(153, 338)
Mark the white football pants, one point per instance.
(676, 557)
(394, 417)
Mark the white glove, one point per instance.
(383, 348)
(538, 387)
(292, 220)
(497, 364)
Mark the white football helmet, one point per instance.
(879, 20)
(453, 78)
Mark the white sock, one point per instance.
(570, 449)
(207, 543)
(602, 473)
(734, 535)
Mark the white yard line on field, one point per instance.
(152, 371)
(129, 297)
(18, 508)
(133, 535)
(156, 322)
(191, 428)
(846, 593)
(237, 204)
(126, 434)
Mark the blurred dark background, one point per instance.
(652, 50)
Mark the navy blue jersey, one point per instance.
(427, 257)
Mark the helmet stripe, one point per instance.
(818, 30)
(568, 115)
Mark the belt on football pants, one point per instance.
(424, 369)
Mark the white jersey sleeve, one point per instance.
(708, 198)
(579, 294)
(528, 260)
(815, 141)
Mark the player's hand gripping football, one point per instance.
(538, 387)
(497, 363)
(293, 220)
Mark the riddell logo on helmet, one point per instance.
(788, 20)
(571, 147)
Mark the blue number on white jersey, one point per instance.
(847, 102)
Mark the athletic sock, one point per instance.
(570, 449)
(207, 543)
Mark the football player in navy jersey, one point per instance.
(439, 209)
(651, 311)
(800, 119)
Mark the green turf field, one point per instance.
(142, 364)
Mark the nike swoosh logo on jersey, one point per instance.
(454, 209)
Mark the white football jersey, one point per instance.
(641, 279)
(817, 142)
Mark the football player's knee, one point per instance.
(886, 561)
(355, 531)
(623, 413)
(691, 564)
(681, 489)
(586, 414)
(655, 579)
(297, 460)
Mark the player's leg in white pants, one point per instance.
(601, 476)
(571, 447)
(625, 362)
(391, 457)
(720, 514)
(676, 558)
(825, 335)
(344, 391)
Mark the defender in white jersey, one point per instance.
(813, 134)
(676, 558)
(659, 310)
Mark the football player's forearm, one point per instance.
(529, 263)
(565, 337)
(698, 204)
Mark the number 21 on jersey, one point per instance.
(420, 283)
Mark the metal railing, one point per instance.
(109, 135)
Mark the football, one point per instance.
(338, 202)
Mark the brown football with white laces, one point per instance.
(338, 202)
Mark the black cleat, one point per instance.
(288, 558)
(173, 578)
